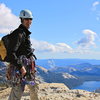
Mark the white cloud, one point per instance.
(88, 40)
(84, 45)
(96, 9)
(8, 20)
(63, 47)
(95, 3)
(43, 46)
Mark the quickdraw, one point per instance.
(16, 76)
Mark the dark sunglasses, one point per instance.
(28, 18)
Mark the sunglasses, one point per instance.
(28, 18)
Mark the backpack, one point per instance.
(4, 47)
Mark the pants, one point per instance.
(17, 92)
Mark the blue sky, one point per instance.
(60, 28)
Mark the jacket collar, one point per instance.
(25, 29)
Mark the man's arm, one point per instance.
(18, 37)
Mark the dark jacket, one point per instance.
(20, 45)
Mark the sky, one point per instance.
(60, 28)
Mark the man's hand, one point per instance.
(23, 71)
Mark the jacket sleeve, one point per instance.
(29, 48)
(17, 40)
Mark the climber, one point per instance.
(19, 51)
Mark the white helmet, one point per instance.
(25, 14)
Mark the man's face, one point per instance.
(27, 22)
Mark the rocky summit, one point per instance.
(54, 91)
(52, 86)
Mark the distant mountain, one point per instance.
(72, 68)
(51, 63)
(62, 71)
(53, 77)
(84, 71)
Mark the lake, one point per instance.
(89, 86)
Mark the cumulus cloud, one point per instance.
(8, 20)
(83, 45)
(88, 40)
(43, 46)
